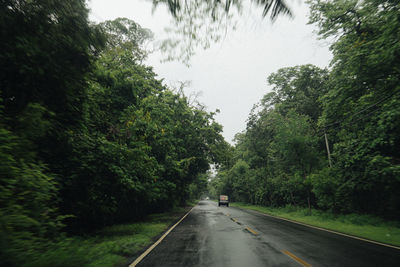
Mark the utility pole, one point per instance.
(327, 149)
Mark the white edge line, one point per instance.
(144, 254)
(326, 230)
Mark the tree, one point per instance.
(356, 103)
(143, 147)
(298, 88)
(47, 49)
(280, 146)
(88, 131)
(297, 148)
(28, 194)
(361, 107)
(126, 40)
(38, 38)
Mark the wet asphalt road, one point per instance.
(221, 236)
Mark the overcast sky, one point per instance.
(232, 75)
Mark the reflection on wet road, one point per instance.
(221, 236)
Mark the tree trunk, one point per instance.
(308, 200)
(292, 197)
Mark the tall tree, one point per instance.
(298, 88)
(47, 48)
(361, 107)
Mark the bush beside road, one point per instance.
(115, 245)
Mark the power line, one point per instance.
(359, 112)
(352, 121)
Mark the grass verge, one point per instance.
(111, 246)
(364, 226)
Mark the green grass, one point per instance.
(365, 226)
(111, 246)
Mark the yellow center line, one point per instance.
(305, 264)
(251, 231)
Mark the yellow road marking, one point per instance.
(251, 231)
(305, 264)
(144, 254)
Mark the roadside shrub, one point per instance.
(65, 253)
(360, 219)
(27, 201)
(325, 185)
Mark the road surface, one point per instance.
(222, 236)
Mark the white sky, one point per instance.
(231, 75)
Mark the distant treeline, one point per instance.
(282, 156)
(88, 135)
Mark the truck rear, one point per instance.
(223, 200)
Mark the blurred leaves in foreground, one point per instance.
(200, 23)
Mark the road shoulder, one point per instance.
(336, 227)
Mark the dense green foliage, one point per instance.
(109, 246)
(361, 110)
(281, 158)
(88, 135)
